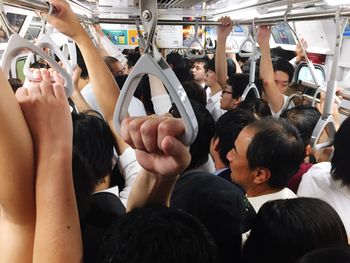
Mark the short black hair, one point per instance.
(239, 82)
(199, 149)
(280, 64)
(227, 128)
(304, 118)
(210, 65)
(258, 107)
(195, 92)
(338, 254)
(340, 160)
(276, 146)
(132, 59)
(92, 155)
(157, 235)
(220, 205)
(284, 230)
(93, 143)
(175, 60)
(183, 74)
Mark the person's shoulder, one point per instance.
(318, 171)
(316, 178)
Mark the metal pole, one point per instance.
(35, 5)
(271, 20)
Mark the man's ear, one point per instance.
(261, 175)
(214, 143)
(237, 101)
(308, 150)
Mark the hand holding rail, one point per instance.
(17, 45)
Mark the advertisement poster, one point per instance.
(189, 33)
(169, 37)
(118, 37)
(133, 39)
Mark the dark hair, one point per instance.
(220, 205)
(276, 146)
(204, 60)
(239, 82)
(92, 155)
(93, 143)
(340, 160)
(183, 74)
(109, 61)
(304, 118)
(175, 60)
(280, 64)
(282, 53)
(157, 235)
(120, 79)
(210, 65)
(195, 92)
(338, 254)
(227, 128)
(143, 93)
(81, 63)
(258, 107)
(285, 230)
(132, 59)
(231, 67)
(199, 149)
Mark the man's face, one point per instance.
(210, 78)
(226, 101)
(117, 69)
(281, 80)
(198, 72)
(240, 171)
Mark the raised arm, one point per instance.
(47, 113)
(161, 155)
(223, 31)
(17, 203)
(103, 84)
(272, 94)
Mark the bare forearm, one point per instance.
(273, 95)
(57, 223)
(103, 84)
(150, 189)
(221, 62)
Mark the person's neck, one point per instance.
(103, 185)
(260, 190)
(214, 89)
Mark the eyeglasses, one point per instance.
(226, 92)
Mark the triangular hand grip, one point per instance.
(16, 45)
(321, 125)
(69, 50)
(249, 39)
(148, 65)
(251, 86)
(45, 41)
(193, 41)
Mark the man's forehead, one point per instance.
(199, 63)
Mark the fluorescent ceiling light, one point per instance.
(337, 2)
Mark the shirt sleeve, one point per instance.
(129, 168)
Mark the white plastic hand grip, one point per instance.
(148, 65)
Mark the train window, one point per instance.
(33, 29)
(282, 34)
(303, 73)
(347, 30)
(15, 21)
(19, 68)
